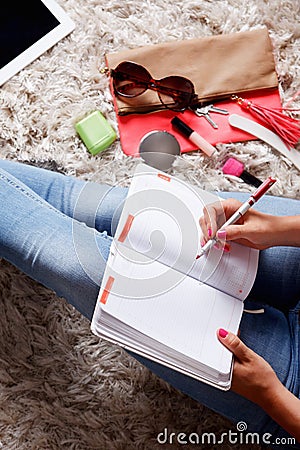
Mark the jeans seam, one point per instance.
(35, 197)
(43, 202)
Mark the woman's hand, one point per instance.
(255, 229)
(253, 377)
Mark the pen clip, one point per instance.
(263, 188)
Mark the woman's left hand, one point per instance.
(253, 377)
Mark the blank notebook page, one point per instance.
(165, 226)
(184, 316)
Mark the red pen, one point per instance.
(262, 189)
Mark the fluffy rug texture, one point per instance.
(60, 386)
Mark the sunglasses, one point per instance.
(131, 80)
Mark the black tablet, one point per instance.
(27, 32)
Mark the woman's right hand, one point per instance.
(254, 229)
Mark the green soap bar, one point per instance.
(95, 132)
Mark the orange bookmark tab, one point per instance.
(106, 291)
(126, 228)
(164, 177)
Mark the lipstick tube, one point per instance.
(193, 136)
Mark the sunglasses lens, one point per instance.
(175, 92)
(130, 79)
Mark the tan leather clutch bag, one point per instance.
(218, 66)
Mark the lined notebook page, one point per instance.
(156, 293)
(184, 316)
(164, 225)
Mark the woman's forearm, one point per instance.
(287, 229)
(284, 408)
(254, 379)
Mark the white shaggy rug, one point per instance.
(60, 387)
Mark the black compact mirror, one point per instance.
(159, 149)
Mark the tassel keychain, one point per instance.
(285, 126)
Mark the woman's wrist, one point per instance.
(286, 230)
(271, 393)
(284, 408)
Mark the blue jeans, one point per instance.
(58, 230)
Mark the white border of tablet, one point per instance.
(42, 45)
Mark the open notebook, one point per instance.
(156, 298)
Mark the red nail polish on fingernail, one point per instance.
(209, 232)
(223, 333)
(226, 248)
(221, 234)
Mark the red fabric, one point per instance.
(134, 126)
(285, 126)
